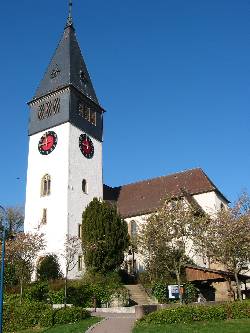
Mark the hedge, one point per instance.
(21, 316)
(191, 313)
(63, 316)
(18, 317)
(81, 293)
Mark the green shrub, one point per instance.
(63, 316)
(122, 296)
(160, 291)
(19, 317)
(102, 288)
(10, 277)
(56, 297)
(190, 293)
(240, 310)
(47, 318)
(83, 295)
(37, 291)
(49, 268)
(70, 315)
(111, 280)
(80, 295)
(11, 298)
(191, 313)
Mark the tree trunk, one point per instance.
(238, 286)
(21, 291)
(65, 288)
(179, 285)
(230, 288)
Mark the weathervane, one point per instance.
(70, 20)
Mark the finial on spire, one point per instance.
(69, 19)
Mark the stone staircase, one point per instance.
(138, 295)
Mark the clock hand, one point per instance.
(45, 142)
(86, 144)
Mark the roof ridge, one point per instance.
(168, 175)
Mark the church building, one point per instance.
(65, 159)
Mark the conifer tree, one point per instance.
(49, 268)
(104, 237)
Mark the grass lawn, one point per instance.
(79, 327)
(229, 326)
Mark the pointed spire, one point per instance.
(70, 19)
(67, 66)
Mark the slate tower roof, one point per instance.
(67, 67)
(66, 94)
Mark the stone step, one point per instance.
(138, 294)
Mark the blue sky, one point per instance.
(173, 76)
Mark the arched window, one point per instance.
(84, 186)
(45, 185)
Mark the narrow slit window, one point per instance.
(84, 186)
(79, 231)
(44, 216)
(79, 263)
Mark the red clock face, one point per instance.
(47, 143)
(86, 146)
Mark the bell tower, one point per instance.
(65, 148)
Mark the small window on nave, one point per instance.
(44, 216)
(80, 260)
(84, 186)
(45, 185)
(133, 229)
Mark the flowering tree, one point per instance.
(21, 252)
(225, 238)
(164, 240)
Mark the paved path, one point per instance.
(114, 323)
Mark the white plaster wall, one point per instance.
(56, 165)
(82, 168)
(210, 202)
(67, 167)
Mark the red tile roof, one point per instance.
(145, 196)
